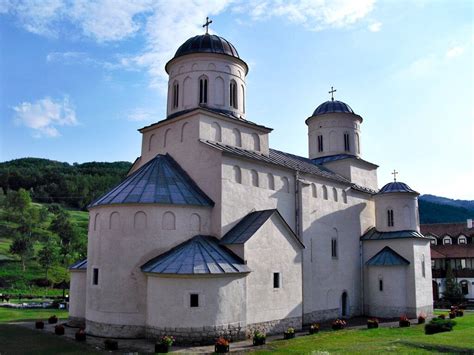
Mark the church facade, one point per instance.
(213, 232)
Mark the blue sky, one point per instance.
(78, 78)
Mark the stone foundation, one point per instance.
(390, 312)
(114, 330)
(321, 315)
(275, 326)
(76, 322)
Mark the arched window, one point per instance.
(271, 181)
(237, 137)
(183, 130)
(390, 222)
(167, 133)
(151, 142)
(254, 175)
(346, 142)
(175, 94)
(447, 240)
(320, 143)
(203, 90)
(139, 220)
(114, 221)
(423, 270)
(233, 94)
(237, 174)
(344, 196)
(219, 92)
(462, 239)
(314, 191)
(187, 99)
(216, 132)
(325, 192)
(195, 222)
(285, 184)
(96, 221)
(334, 194)
(380, 283)
(256, 142)
(169, 221)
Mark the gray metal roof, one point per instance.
(196, 256)
(337, 157)
(374, 234)
(162, 181)
(387, 257)
(396, 187)
(250, 224)
(79, 265)
(333, 106)
(289, 161)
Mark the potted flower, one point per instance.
(404, 321)
(459, 313)
(372, 323)
(53, 320)
(421, 318)
(80, 335)
(164, 345)
(452, 314)
(313, 328)
(110, 344)
(39, 324)
(221, 345)
(59, 329)
(259, 338)
(289, 334)
(442, 316)
(339, 324)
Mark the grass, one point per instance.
(16, 315)
(410, 340)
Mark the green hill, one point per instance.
(431, 212)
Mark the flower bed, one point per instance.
(59, 329)
(372, 323)
(80, 335)
(339, 324)
(314, 328)
(289, 334)
(421, 318)
(164, 345)
(221, 345)
(404, 322)
(259, 338)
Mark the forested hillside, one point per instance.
(431, 212)
(50, 181)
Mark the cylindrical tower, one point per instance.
(333, 129)
(206, 71)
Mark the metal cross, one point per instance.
(332, 93)
(395, 175)
(207, 24)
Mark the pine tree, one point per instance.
(453, 291)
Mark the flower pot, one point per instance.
(372, 325)
(161, 348)
(452, 315)
(52, 320)
(111, 344)
(39, 325)
(259, 341)
(288, 335)
(59, 330)
(220, 349)
(313, 330)
(459, 313)
(404, 323)
(421, 320)
(80, 336)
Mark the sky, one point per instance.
(78, 78)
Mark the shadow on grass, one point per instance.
(438, 348)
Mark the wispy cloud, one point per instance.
(141, 114)
(45, 115)
(375, 27)
(454, 52)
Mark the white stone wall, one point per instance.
(332, 127)
(405, 211)
(121, 239)
(358, 172)
(77, 295)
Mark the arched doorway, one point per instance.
(344, 305)
(435, 291)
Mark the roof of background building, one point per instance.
(387, 257)
(197, 256)
(250, 224)
(337, 157)
(447, 251)
(451, 229)
(79, 265)
(374, 234)
(396, 186)
(162, 181)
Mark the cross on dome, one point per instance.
(332, 91)
(207, 25)
(395, 173)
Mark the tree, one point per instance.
(47, 256)
(61, 226)
(453, 291)
(23, 247)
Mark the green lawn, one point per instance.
(410, 340)
(15, 315)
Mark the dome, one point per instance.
(396, 187)
(332, 107)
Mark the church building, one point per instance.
(213, 232)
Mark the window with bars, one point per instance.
(203, 91)
(175, 95)
(334, 248)
(233, 94)
(390, 218)
(346, 142)
(320, 143)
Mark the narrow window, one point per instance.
(390, 218)
(194, 300)
(380, 284)
(203, 91)
(344, 196)
(276, 280)
(334, 248)
(320, 143)
(325, 192)
(423, 271)
(95, 276)
(175, 95)
(334, 192)
(254, 175)
(346, 142)
(233, 94)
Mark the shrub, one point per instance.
(110, 344)
(339, 324)
(80, 335)
(404, 321)
(313, 328)
(39, 324)
(372, 323)
(59, 329)
(439, 325)
(53, 320)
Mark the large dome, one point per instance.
(333, 107)
(207, 44)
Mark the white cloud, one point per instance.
(65, 56)
(141, 114)
(375, 27)
(45, 115)
(454, 52)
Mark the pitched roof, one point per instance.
(250, 224)
(197, 256)
(451, 229)
(374, 234)
(452, 251)
(387, 257)
(162, 181)
(79, 265)
(336, 157)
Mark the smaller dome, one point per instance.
(396, 187)
(333, 107)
